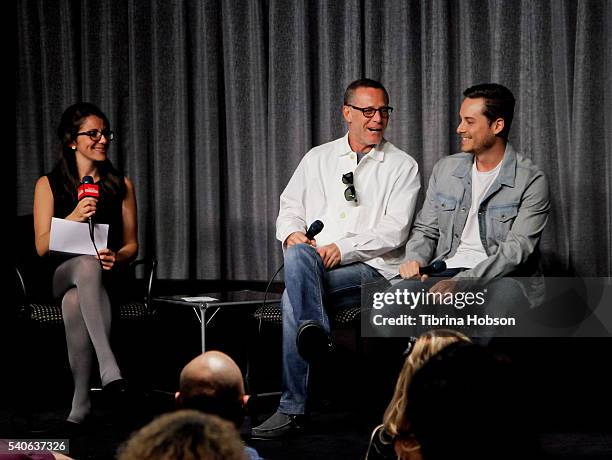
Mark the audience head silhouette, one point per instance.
(465, 402)
(395, 431)
(212, 383)
(185, 434)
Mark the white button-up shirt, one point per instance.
(373, 230)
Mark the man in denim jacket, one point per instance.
(485, 209)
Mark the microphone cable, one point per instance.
(93, 241)
(270, 284)
(314, 229)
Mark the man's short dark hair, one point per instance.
(363, 83)
(499, 103)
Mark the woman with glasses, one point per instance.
(82, 281)
(393, 439)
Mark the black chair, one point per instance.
(37, 324)
(35, 302)
(43, 310)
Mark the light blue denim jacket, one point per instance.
(511, 217)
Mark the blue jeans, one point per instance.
(309, 289)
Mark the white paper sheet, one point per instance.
(199, 299)
(73, 237)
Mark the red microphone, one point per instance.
(88, 189)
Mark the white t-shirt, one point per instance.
(470, 251)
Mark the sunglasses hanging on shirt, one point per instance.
(349, 193)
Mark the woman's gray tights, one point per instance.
(86, 311)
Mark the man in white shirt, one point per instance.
(364, 190)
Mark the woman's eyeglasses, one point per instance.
(96, 135)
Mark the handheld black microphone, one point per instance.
(88, 189)
(314, 229)
(437, 267)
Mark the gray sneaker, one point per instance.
(279, 425)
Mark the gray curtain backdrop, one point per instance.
(215, 102)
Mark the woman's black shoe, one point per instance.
(116, 388)
(67, 429)
(117, 394)
(124, 400)
(72, 429)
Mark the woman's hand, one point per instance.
(108, 258)
(84, 210)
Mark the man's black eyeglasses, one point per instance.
(350, 194)
(96, 135)
(369, 112)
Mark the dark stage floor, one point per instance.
(335, 433)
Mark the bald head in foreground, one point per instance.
(212, 383)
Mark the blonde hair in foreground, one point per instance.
(427, 345)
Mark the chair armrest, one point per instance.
(150, 266)
(20, 282)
